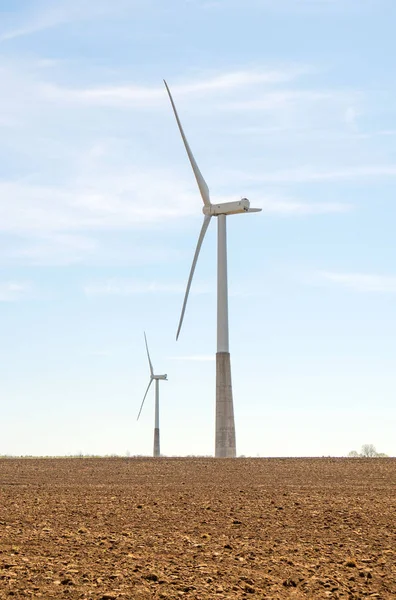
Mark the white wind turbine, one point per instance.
(155, 378)
(225, 446)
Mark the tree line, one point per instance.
(367, 451)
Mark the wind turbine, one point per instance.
(225, 446)
(157, 379)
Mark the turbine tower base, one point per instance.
(225, 425)
(156, 443)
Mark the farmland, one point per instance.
(141, 528)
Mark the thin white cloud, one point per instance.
(130, 288)
(116, 200)
(49, 227)
(289, 6)
(195, 357)
(125, 287)
(63, 12)
(360, 282)
(115, 185)
(290, 207)
(307, 174)
(113, 201)
(351, 116)
(52, 15)
(96, 249)
(12, 291)
(49, 18)
(276, 100)
(49, 249)
(137, 95)
(379, 133)
(99, 353)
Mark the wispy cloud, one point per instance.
(48, 249)
(351, 118)
(11, 291)
(195, 357)
(48, 18)
(379, 133)
(70, 186)
(115, 200)
(99, 353)
(293, 6)
(359, 282)
(130, 96)
(292, 207)
(112, 200)
(277, 99)
(94, 249)
(49, 15)
(125, 287)
(130, 288)
(308, 174)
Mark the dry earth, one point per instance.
(197, 528)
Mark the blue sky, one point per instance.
(288, 102)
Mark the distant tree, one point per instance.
(369, 451)
(353, 454)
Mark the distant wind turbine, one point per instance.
(225, 445)
(157, 378)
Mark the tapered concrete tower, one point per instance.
(157, 379)
(225, 444)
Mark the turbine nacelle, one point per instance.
(162, 377)
(227, 208)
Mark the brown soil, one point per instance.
(197, 528)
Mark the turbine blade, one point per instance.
(144, 398)
(254, 210)
(205, 225)
(203, 188)
(148, 355)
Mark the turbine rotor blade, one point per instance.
(254, 210)
(144, 398)
(203, 188)
(148, 355)
(205, 225)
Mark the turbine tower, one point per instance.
(157, 379)
(225, 445)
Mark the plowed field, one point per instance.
(197, 528)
